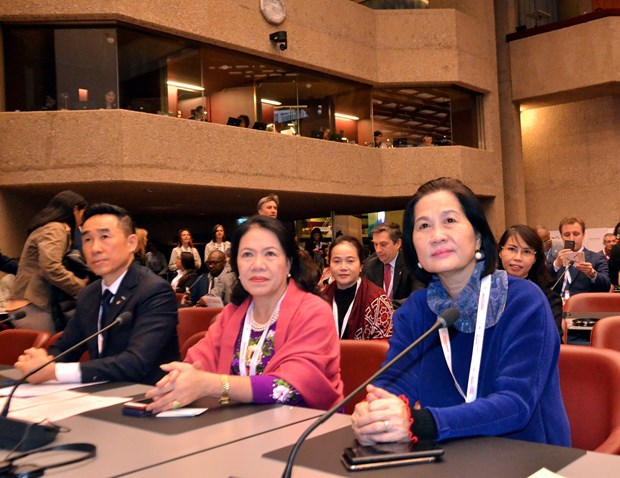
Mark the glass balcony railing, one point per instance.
(87, 67)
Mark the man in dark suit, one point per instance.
(589, 275)
(550, 246)
(387, 267)
(131, 352)
(218, 282)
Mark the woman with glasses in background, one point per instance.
(521, 255)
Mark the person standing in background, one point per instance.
(41, 269)
(184, 244)
(268, 206)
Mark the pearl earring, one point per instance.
(419, 265)
(479, 255)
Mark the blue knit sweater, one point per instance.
(518, 389)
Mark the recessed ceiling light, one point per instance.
(185, 86)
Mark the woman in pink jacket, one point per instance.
(276, 342)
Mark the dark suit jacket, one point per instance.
(580, 282)
(555, 302)
(222, 287)
(132, 352)
(404, 281)
(7, 264)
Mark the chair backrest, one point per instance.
(590, 383)
(52, 340)
(13, 342)
(595, 302)
(85, 357)
(193, 340)
(606, 333)
(359, 359)
(193, 320)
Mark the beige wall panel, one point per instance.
(416, 45)
(436, 45)
(405, 170)
(349, 226)
(119, 145)
(334, 36)
(510, 127)
(16, 211)
(571, 162)
(581, 56)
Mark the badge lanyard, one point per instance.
(476, 356)
(568, 280)
(245, 341)
(348, 314)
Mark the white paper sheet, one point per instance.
(22, 403)
(545, 473)
(29, 390)
(59, 410)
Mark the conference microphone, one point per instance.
(561, 278)
(17, 316)
(446, 319)
(28, 435)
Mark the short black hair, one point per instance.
(351, 240)
(538, 273)
(300, 272)
(473, 211)
(123, 216)
(187, 261)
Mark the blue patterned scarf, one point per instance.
(467, 301)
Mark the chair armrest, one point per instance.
(611, 444)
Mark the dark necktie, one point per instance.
(387, 278)
(211, 284)
(106, 315)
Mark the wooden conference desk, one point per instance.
(320, 457)
(236, 445)
(126, 444)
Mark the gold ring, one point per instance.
(176, 404)
(386, 425)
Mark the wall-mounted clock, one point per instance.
(274, 11)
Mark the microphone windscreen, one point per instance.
(125, 318)
(18, 315)
(449, 316)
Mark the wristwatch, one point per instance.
(224, 389)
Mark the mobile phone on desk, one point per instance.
(390, 454)
(137, 408)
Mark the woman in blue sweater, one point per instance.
(494, 372)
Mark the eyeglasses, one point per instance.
(525, 252)
(210, 263)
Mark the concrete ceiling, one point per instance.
(161, 199)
